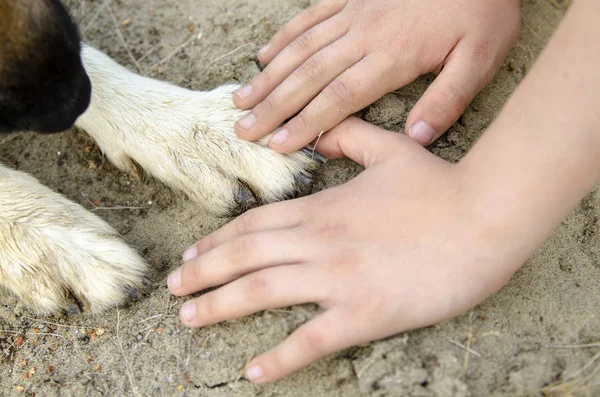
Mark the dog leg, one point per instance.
(185, 139)
(55, 255)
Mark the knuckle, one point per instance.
(451, 101)
(311, 69)
(345, 262)
(376, 17)
(338, 92)
(484, 54)
(238, 251)
(257, 288)
(303, 43)
(390, 63)
(331, 230)
(376, 306)
(314, 342)
(208, 243)
(488, 61)
(269, 104)
(264, 78)
(301, 121)
(196, 270)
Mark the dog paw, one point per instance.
(57, 256)
(185, 139)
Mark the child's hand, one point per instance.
(339, 56)
(399, 247)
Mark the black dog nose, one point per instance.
(65, 116)
(84, 97)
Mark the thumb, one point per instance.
(362, 142)
(447, 97)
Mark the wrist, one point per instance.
(505, 231)
(518, 191)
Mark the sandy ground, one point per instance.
(142, 349)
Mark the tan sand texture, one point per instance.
(514, 339)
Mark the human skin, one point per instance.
(430, 239)
(339, 56)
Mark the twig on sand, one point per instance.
(570, 384)
(458, 344)
(561, 5)
(316, 143)
(585, 367)
(10, 137)
(155, 316)
(129, 372)
(574, 346)
(30, 333)
(123, 42)
(5, 352)
(229, 53)
(200, 350)
(57, 324)
(364, 368)
(242, 372)
(118, 207)
(467, 348)
(96, 15)
(175, 51)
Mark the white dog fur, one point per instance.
(53, 250)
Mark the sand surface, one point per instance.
(143, 350)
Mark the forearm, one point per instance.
(542, 154)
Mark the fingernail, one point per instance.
(190, 253)
(174, 281)
(188, 311)
(280, 136)
(421, 132)
(244, 92)
(254, 373)
(247, 121)
(264, 49)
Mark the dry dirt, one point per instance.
(142, 349)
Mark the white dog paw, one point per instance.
(56, 256)
(185, 139)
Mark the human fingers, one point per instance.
(299, 88)
(237, 257)
(310, 17)
(272, 288)
(445, 100)
(289, 59)
(327, 333)
(356, 88)
(366, 143)
(286, 214)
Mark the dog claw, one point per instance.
(131, 292)
(303, 179)
(72, 310)
(246, 196)
(303, 184)
(313, 154)
(245, 199)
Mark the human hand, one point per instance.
(399, 247)
(339, 56)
